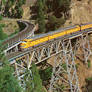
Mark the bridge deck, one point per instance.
(13, 56)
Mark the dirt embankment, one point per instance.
(80, 12)
(10, 26)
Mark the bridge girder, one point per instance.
(65, 52)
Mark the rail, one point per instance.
(14, 41)
(64, 49)
(16, 55)
(21, 35)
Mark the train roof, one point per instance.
(51, 32)
(56, 31)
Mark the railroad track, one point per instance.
(21, 35)
(17, 54)
(14, 56)
(14, 41)
(63, 48)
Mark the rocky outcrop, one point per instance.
(80, 11)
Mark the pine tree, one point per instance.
(8, 8)
(34, 83)
(41, 16)
(8, 83)
(2, 34)
(36, 79)
(28, 81)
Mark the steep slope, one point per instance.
(27, 10)
(10, 26)
(80, 12)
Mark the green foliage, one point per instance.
(2, 25)
(89, 63)
(21, 2)
(64, 3)
(8, 83)
(19, 13)
(59, 10)
(51, 14)
(3, 2)
(21, 25)
(63, 87)
(12, 8)
(59, 7)
(18, 8)
(2, 34)
(1, 17)
(77, 65)
(24, 1)
(2, 56)
(64, 66)
(54, 23)
(34, 83)
(28, 81)
(40, 16)
(89, 79)
(36, 79)
(46, 73)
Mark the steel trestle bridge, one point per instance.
(64, 49)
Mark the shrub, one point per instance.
(64, 66)
(8, 82)
(77, 65)
(46, 73)
(89, 79)
(1, 17)
(2, 34)
(89, 64)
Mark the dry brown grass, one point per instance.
(10, 26)
(81, 12)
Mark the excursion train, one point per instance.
(42, 38)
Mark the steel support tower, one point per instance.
(65, 51)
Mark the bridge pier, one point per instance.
(64, 75)
(64, 71)
(83, 45)
(86, 47)
(22, 71)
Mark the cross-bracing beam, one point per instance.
(64, 76)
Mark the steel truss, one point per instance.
(64, 76)
(22, 72)
(70, 83)
(83, 44)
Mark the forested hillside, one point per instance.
(49, 15)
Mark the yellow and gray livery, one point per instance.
(42, 38)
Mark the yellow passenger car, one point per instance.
(26, 43)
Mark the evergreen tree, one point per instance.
(28, 81)
(36, 79)
(12, 8)
(40, 15)
(1, 17)
(18, 8)
(8, 83)
(2, 34)
(34, 83)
